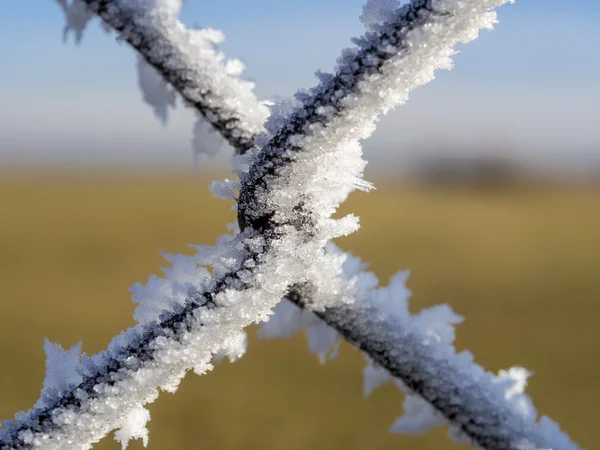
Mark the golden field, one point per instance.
(521, 263)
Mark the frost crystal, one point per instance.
(156, 92)
(134, 427)
(206, 141)
(313, 146)
(77, 17)
(61, 367)
(376, 12)
(233, 348)
(159, 294)
(419, 417)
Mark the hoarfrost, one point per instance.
(134, 427)
(225, 190)
(287, 319)
(374, 377)
(419, 417)
(155, 91)
(212, 83)
(77, 17)
(377, 12)
(158, 294)
(233, 348)
(61, 367)
(429, 333)
(206, 141)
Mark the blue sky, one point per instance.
(530, 88)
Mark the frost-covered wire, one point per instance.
(84, 399)
(397, 56)
(185, 321)
(159, 94)
(251, 273)
(416, 353)
(303, 167)
(186, 58)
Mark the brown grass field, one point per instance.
(522, 264)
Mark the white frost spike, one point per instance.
(376, 12)
(419, 417)
(234, 347)
(253, 272)
(284, 323)
(210, 35)
(392, 301)
(374, 377)
(437, 323)
(159, 294)
(323, 340)
(206, 141)
(61, 366)
(287, 319)
(225, 190)
(156, 92)
(515, 381)
(77, 17)
(235, 67)
(134, 427)
(171, 7)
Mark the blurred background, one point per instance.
(488, 191)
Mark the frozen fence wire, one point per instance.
(331, 118)
(415, 352)
(307, 163)
(107, 391)
(186, 58)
